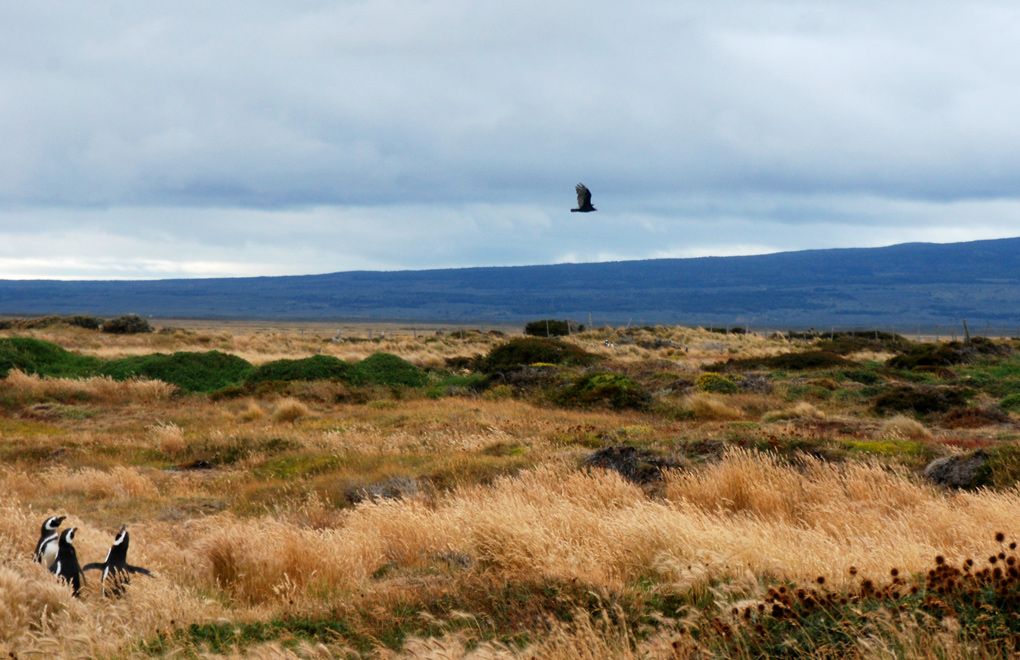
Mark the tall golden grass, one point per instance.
(747, 516)
(31, 387)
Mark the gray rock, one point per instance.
(964, 471)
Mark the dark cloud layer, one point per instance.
(193, 138)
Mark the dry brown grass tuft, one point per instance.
(289, 411)
(252, 412)
(709, 407)
(904, 427)
(802, 410)
(168, 438)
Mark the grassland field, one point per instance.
(432, 493)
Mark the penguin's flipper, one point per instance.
(136, 569)
(94, 566)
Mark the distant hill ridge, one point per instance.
(912, 283)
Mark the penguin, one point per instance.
(66, 566)
(115, 567)
(46, 548)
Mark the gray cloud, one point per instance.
(287, 137)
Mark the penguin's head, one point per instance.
(53, 522)
(122, 536)
(67, 536)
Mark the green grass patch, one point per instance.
(886, 447)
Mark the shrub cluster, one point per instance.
(948, 354)
(206, 372)
(714, 383)
(603, 388)
(844, 343)
(34, 356)
(919, 400)
(129, 324)
(534, 350)
(799, 361)
(552, 328)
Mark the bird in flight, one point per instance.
(583, 200)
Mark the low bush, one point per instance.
(1010, 403)
(603, 388)
(317, 367)
(844, 343)
(129, 324)
(714, 383)
(192, 372)
(552, 328)
(788, 361)
(534, 350)
(922, 400)
(388, 369)
(947, 354)
(34, 356)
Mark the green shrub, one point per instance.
(919, 400)
(34, 356)
(862, 376)
(534, 350)
(317, 367)
(715, 384)
(603, 388)
(192, 372)
(129, 324)
(947, 354)
(552, 328)
(388, 369)
(788, 361)
(84, 321)
(1010, 403)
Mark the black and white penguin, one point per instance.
(66, 566)
(115, 568)
(46, 548)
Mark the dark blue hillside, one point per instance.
(910, 283)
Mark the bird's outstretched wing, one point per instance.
(94, 566)
(583, 196)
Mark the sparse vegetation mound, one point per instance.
(603, 388)
(129, 324)
(947, 354)
(534, 350)
(921, 401)
(552, 328)
(34, 356)
(800, 361)
(844, 343)
(388, 369)
(317, 367)
(192, 372)
(714, 383)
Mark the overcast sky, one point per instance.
(231, 138)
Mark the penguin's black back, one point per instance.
(115, 569)
(66, 565)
